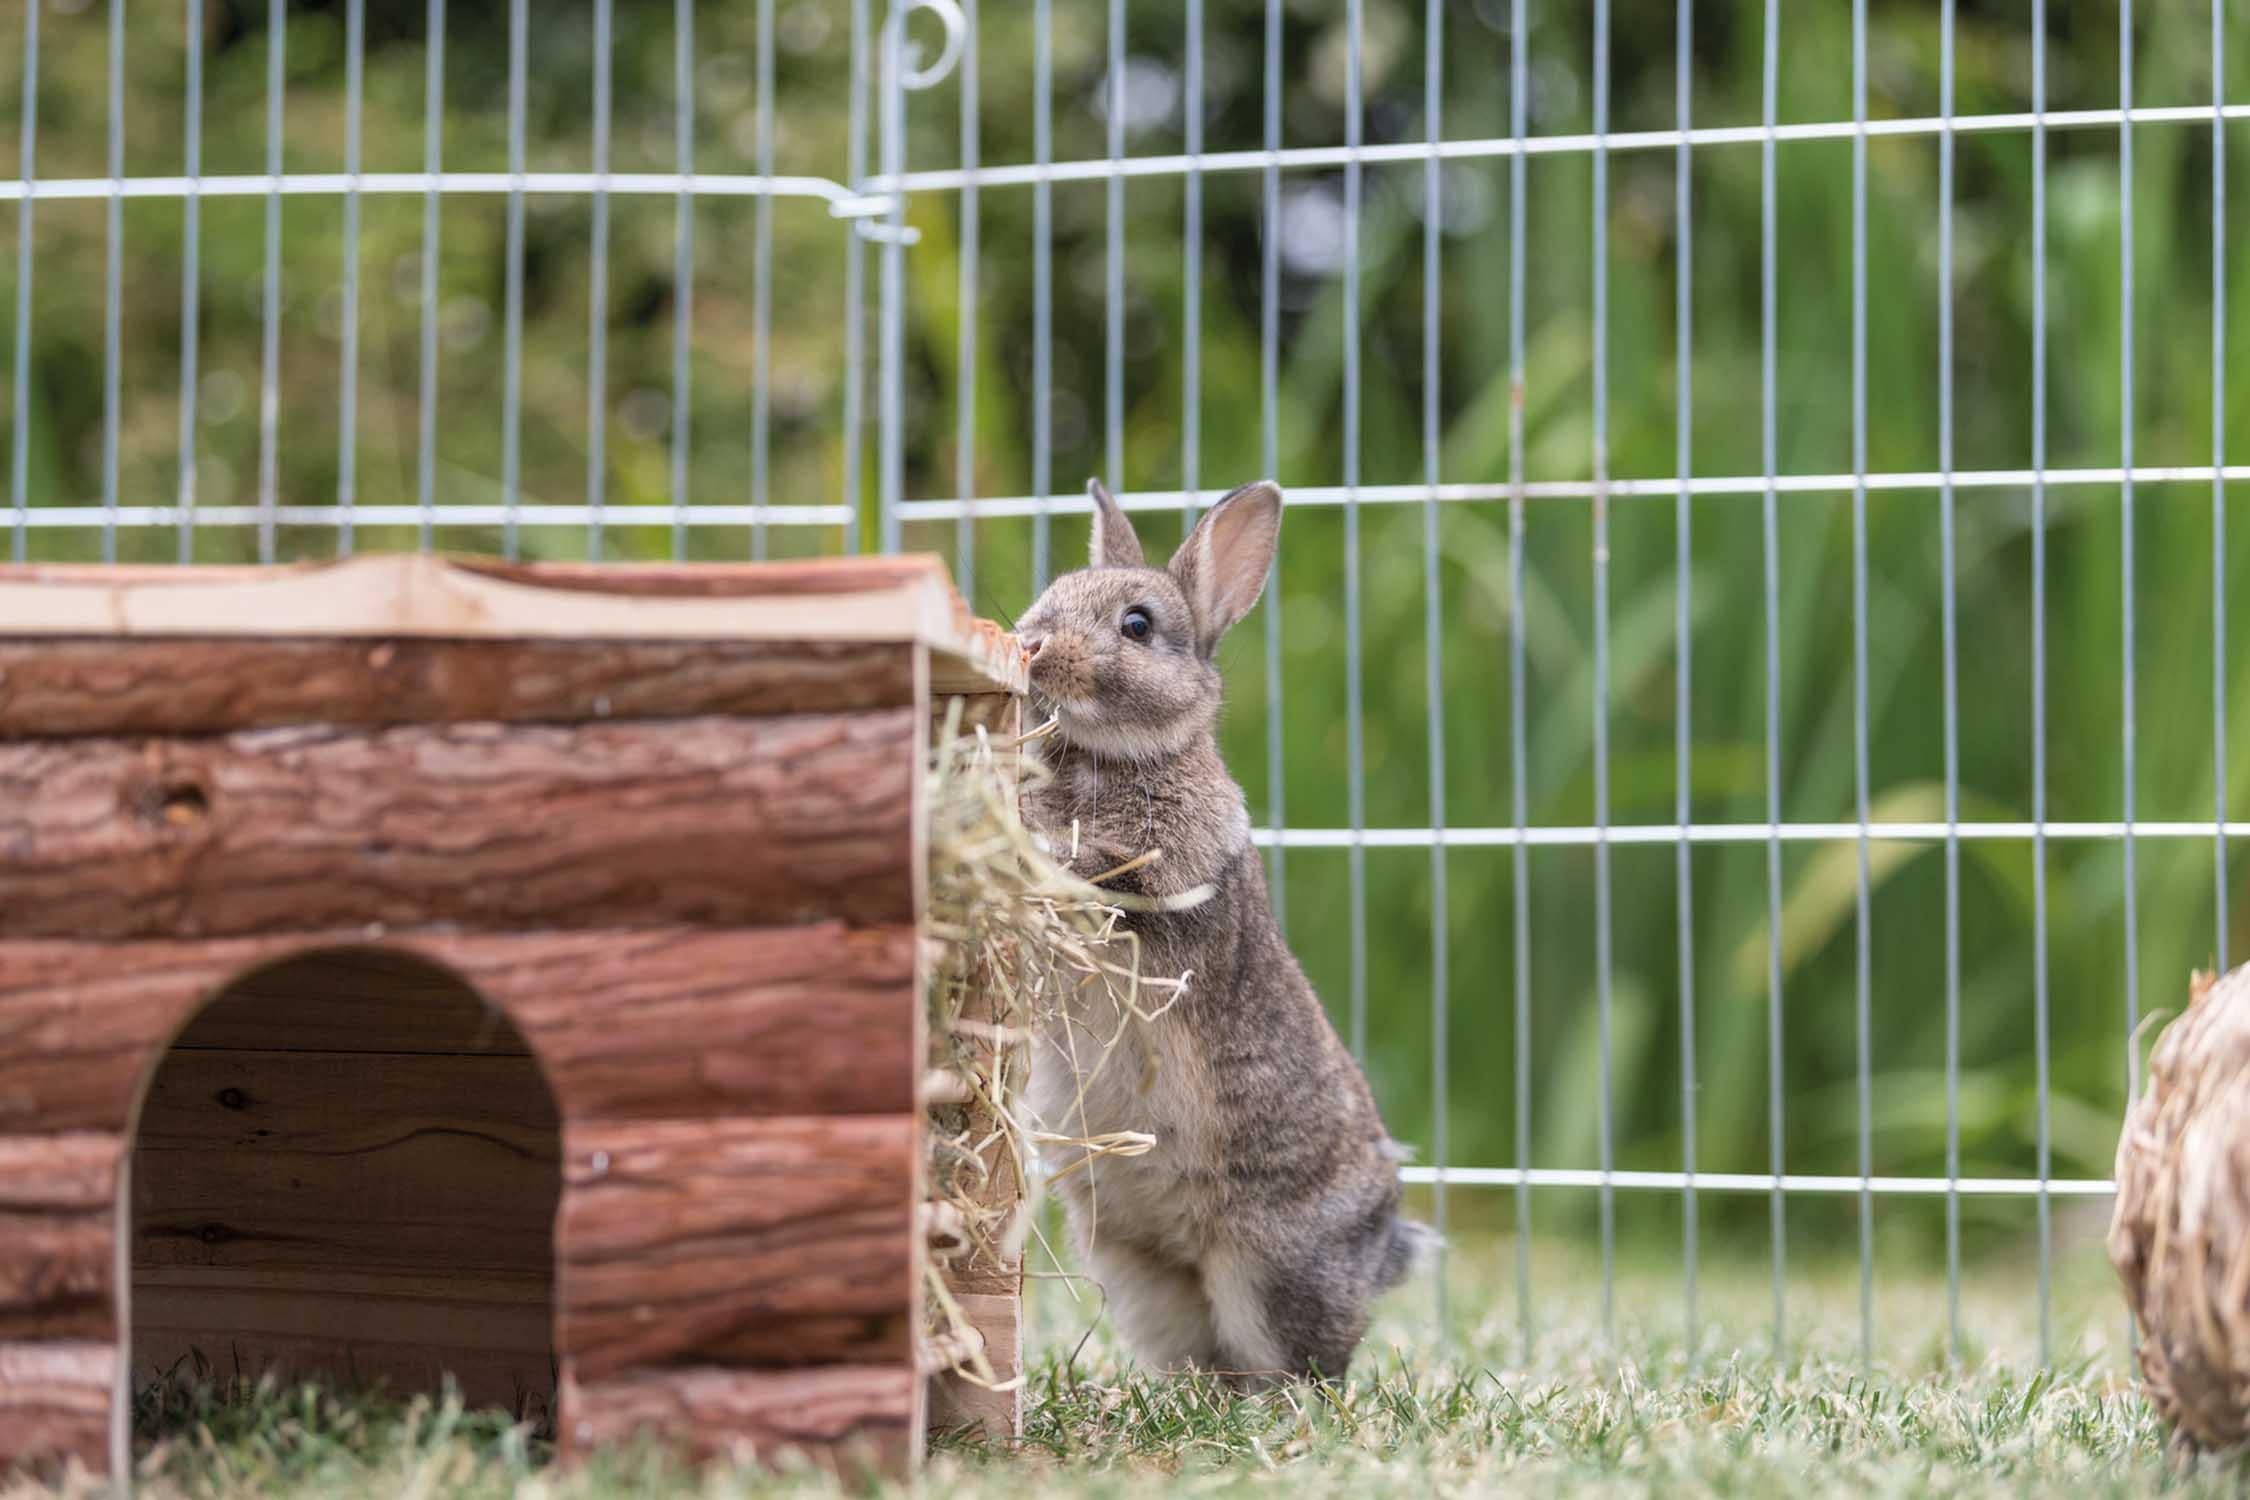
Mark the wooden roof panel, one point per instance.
(901, 599)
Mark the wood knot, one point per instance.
(176, 804)
(214, 1234)
(233, 1098)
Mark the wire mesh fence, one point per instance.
(1730, 409)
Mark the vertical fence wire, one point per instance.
(597, 293)
(433, 160)
(1603, 979)
(1042, 293)
(20, 395)
(1433, 614)
(1191, 278)
(683, 267)
(19, 454)
(2218, 479)
(761, 291)
(1861, 990)
(511, 386)
(269, 332)
(347, 358)
(2039, 973)
(113, 353)
(2127, 618)
(855, 286)
(1519, 49)
(1269, 443)
(965, 349)
(191, 277)
(890, 412)
(1683, 421)
(1113, 260)
(1355, 729)
(1770, 521)
(2127, 707)
(1952, 709)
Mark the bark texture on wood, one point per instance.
(54, 1404)
(187, 685)
(681, 1022)
(687, 1024)
(58, 1210)
(847, 1416)
(726, 822)
(700, 1242)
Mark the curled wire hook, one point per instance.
(956, 29)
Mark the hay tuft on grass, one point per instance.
(2180, 1234)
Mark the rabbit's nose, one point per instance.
(1031, 645)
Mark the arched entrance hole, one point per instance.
(347, 1166)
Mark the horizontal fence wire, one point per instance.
(1659, 487)
(878, 191)
(1586, 836)
(1765, 1182)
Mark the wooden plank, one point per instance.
(810, 575)
(690, 1242)
(346, 1161)
(997, 713)
(58, 1211)
(861, 574)
(648, 1023)
(957, 1402)
(55, 1404)
(205, 686)
(410, 1330)
(810, 1020)
(715, 821)
(378, 596)
(82, 1021)
(851, 1417)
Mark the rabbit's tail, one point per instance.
(1408, 1249)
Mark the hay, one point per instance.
(2180, 1233)
(1014, 939)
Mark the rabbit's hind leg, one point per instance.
(1158, 1308)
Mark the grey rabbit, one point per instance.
(1253, 1238)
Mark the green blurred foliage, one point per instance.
(2175, 570)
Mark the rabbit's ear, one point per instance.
(1222, 565)
(1115, 544)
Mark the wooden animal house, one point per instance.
(415, 969)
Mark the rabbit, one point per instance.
(1252, 1239)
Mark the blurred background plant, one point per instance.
(1991, 294)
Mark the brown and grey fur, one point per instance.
(1255, 1235)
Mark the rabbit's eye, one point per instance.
(1136, 625)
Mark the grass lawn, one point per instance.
(1633, 1416)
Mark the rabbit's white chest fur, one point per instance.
(1100, 1072)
